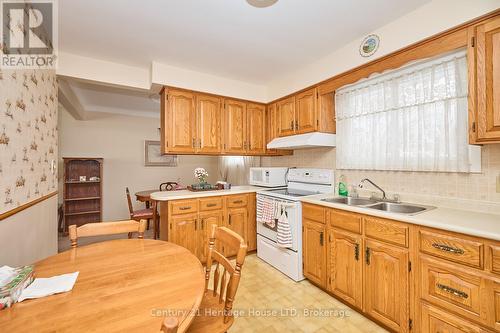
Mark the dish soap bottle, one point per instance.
(343, 187)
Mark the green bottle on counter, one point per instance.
(342, 187)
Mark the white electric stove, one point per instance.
(301, 183)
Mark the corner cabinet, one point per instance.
(484, 81)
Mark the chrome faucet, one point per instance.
(375, 185)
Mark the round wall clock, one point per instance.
(369, 45)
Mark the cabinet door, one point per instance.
(180, 122)
(271, 127)
(184, 231)
(235, 125)
(208, 115)
(487, 79)
(256, 129)
(206, 221)
(305, 110)
(251, 223)
(286, 117)
(386, 284)
(237, 222)
(313, 252)
(345, 266)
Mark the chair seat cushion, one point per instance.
(210, 317)
(145, 213)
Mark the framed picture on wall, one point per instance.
(153, 156)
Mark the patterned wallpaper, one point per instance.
(28, 136)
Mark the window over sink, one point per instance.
(410, 119)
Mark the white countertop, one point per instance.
(186, 194)
(472, 223)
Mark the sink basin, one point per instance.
(351, 201)
(401, 208)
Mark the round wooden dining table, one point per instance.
(126, 285)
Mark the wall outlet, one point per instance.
(498, 183)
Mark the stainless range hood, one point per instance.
(300, 141)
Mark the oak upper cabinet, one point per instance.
(235, 121)
(178, 121)
(345, 266)
(306, 119)
(286, 116)
(314, 251)
(386, 284)
(208, 116)
(484, 81)
(271, 127)
(256, 129)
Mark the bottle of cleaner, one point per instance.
(343, 187)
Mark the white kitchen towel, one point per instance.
(284, 234)
(42, 287)
(7, 274)
(266, 212)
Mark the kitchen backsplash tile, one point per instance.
(448, 189)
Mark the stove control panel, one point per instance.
(313, 176)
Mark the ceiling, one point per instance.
(228, 38)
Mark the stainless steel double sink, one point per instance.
(392, 207)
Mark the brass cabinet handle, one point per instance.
(237, 201)
(194, 143)
(291, 125)
(229, 219)
(321, 238)
(185, 208)
(356, 252)
(211, 205)
(453, 291)
(202, 224)
(367, 255)
(447, 248)
(296, 125)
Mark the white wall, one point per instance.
(119, 139)
(29, 235)
(425, 21)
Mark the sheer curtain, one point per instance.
(236, 169)
(413, 118)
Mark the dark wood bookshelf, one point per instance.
(82, 199)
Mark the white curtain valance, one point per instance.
(413, 118)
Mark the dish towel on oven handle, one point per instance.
(284, 233)
(265, 211)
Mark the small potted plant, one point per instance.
(201, 174)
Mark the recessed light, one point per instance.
(262, 3)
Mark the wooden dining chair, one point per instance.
(139, 214)
(219, 300)
(106, 228)
(168, 186)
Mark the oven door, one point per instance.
(294, 213)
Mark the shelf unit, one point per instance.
(82, 200)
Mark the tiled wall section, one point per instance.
(28, 136)
(478, 191)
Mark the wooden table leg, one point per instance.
(155, 220)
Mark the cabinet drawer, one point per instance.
(344, 220)
(452, 248)
(313, 213)
(237, 201)
(387, 231)
(210, 203)
(183, 207)
(495, 259)
(435, 320)
(452, 288)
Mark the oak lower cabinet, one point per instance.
(314, 251)
(188, 222)
(386, 284)
(345, 266)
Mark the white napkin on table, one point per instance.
(6, 275)
(42, 287)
